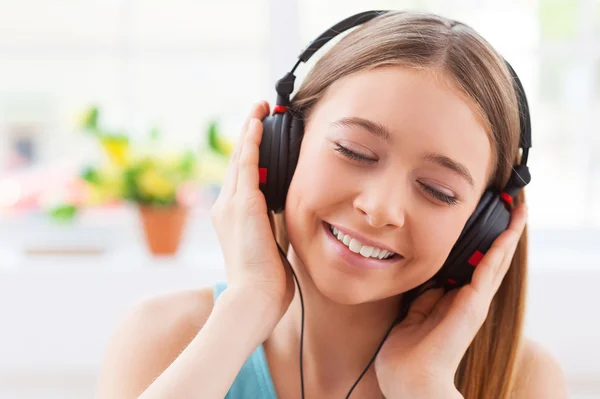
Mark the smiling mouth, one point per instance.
(359, 248)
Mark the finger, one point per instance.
(248, 177)
(422, 306)
(518, 223)
(467, 311)
(259, 110)
(493, 267)
(461, 314)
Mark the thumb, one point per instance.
(422, 307)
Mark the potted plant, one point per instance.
(156, 180)
(150, 177)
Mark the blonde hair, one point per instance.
(456, 52)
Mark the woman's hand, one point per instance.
(253, 264)
(421, 355)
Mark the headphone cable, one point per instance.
(284, 256)
(405, 306)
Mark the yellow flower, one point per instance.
(117, 149)
(153, 184)
(109, 185)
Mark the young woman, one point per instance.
(407, 121)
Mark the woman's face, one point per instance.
(395, 160)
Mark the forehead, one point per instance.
(423, 112)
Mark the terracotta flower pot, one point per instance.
(163, 228)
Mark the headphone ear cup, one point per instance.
(487, 222)
(483, 204)
(281, 189)
(278, 156)
(295, 141)
(268, 158)
(466, 234)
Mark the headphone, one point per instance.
(280, 147)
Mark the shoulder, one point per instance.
(153, 332)
(173, 311)
(538, 373)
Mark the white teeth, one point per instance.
(357, 247)
(366, 251)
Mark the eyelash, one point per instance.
(353, 155)
(360, 158)
(442, 197)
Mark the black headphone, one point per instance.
(280, 148)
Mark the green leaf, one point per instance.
(90, 120)
(188, 164)
(91, 175)
(63, 213)
(213, 135)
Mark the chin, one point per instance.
(339, 275)
(345, 290)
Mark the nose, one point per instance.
(382, 204)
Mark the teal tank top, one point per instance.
(254, 379)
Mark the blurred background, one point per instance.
(109, 107)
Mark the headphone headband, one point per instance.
(285, 86)
(340, 27)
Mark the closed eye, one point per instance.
(354, 155)
(447, 199)
(439, 195)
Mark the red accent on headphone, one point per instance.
(451, 281)
(262, 175)
(475, 258)
(506, 198)
(279, 109)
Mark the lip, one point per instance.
(353, 259)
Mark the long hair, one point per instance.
(456, 53)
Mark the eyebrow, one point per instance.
(451, 164)
(376, 129)
(380, 131)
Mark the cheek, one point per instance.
(318, 178)
(434, 239)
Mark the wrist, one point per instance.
(259, 311)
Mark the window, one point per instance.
(145, 63)
(176, 65)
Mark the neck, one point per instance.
(339, 340)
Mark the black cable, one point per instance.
(410, 296)
(372, 360)
(302, 323)
(401, 315)
(408, 299)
